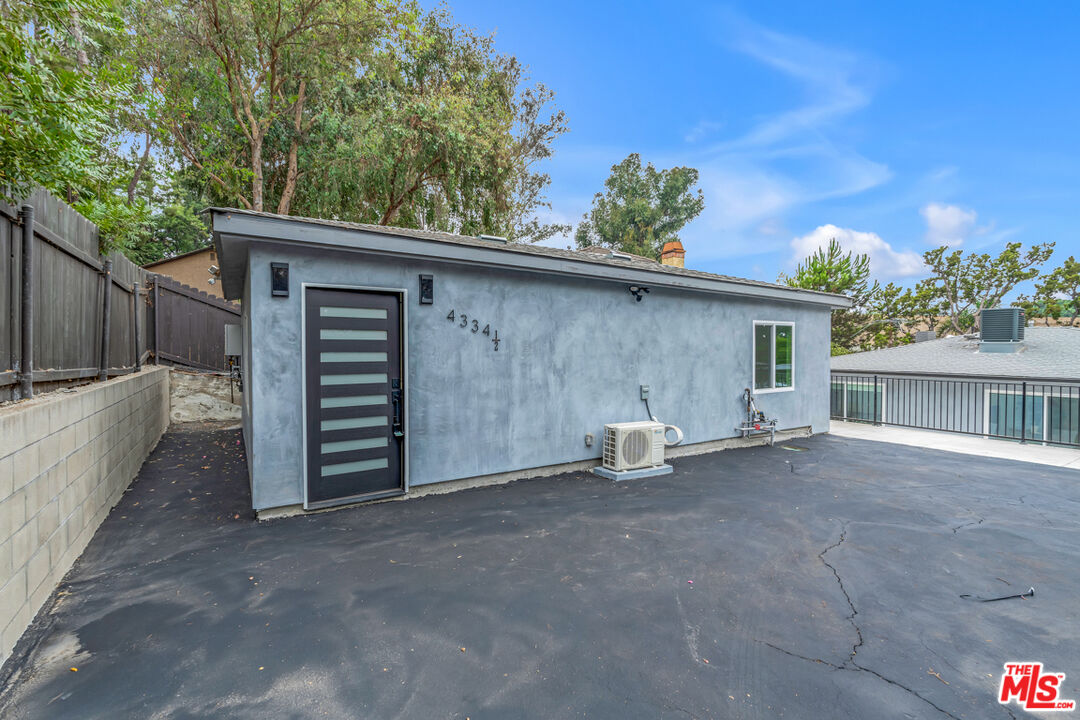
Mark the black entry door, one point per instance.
(355, 395)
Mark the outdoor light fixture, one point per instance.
(637, 290)
(427, 289)
(279, 279)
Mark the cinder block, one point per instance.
(37, 569)
(37, 495)
(40, 594)
(25, 466)
(68, 502)
(36, 422)
(12, 515)
(7, 476)
(12, 596)
(67, 440)
(57, 416)
(5, 559)
(12, 431)
(48, 520)
(48, 452)
(82, 432)
(14, 630)
(24, 543)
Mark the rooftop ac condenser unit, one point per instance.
(632, 445)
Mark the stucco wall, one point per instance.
(65, 460)
(572, 356)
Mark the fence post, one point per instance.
(106, 305)
(873, 391)
(157, 318)
(26, 373)
(1023, 415)
(135, 324)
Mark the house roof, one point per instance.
(1047, 353)
(234, 229)
(208, 248)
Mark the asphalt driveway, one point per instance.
(821, 582)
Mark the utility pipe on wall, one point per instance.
(26, 374)
(106, 274)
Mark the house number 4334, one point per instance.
(463, 321)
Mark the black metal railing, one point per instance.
(1014, 410)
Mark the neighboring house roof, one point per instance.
(1046, 353)
(209, 248)
(233, 226)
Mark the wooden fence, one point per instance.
(188, 326)
(90, 316)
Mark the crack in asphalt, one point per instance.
(834, 666)
(875, 673)
(850, 664)
(840, 582)
(968, 524)
(1038, 512)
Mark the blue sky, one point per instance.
(894, 127)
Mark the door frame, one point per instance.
(403, 319)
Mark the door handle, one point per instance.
(395, 399)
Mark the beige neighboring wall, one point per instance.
(65, 460)
(192, 269)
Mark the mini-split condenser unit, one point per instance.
(632, 445)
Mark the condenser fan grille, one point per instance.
(635, 446)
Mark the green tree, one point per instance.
(641, 209)
(831, 270)
(234, 83)
(1060, 289)
(966, 285)
(439, 132)
(55, 101)
(903, 312)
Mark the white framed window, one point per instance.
(774, 356)
(1047, 417)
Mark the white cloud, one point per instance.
(885, 262)
(789, 159)
(949, 224)
(702, 130)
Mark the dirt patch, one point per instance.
(202, 397)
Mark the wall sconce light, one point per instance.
(279, 279)
(637, 290)
(427, 289)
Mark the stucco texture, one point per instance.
(572, 355)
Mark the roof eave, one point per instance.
(232, 229)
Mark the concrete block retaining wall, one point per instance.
(65, 460)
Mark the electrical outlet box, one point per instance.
(588, 439)
(644, 392)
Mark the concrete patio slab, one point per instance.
(820, 578)
(1032, 452)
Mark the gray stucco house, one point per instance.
(379, 359)
(1025, 387)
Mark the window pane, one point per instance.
(1063, 420)
(763, 357)
(785, 352)
(861, 401)
(836, 399)
(1005, 409)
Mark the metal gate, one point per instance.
(354, 395)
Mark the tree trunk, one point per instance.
(292, 172)
(139, 169)
(257, 173)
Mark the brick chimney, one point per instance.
(673, 254)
